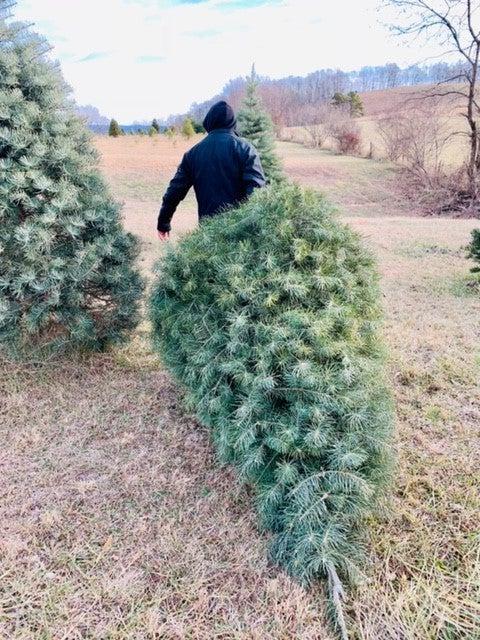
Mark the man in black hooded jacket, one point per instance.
(223, 170)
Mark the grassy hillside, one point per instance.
(386, 104)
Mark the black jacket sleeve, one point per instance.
(252, 171)
(176, 192)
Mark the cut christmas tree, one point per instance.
(67, 274)
(269, 317)
(255, 124)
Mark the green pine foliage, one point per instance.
(474, 250)
(351, 100)
(356, 104)
(339, 99)
(155, 125)
(66, 266)
(114, 130)
(187, 128)
(269, 317)
(255, 124)
(198, 126)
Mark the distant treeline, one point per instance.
(102, 129)
(91, 115)
(287, 98)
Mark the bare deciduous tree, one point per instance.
(456, 24)
(315, 121)
(416, 138)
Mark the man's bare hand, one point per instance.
(163, 235)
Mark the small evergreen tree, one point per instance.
(114, 129)
(152, 132)
(198, 126)
(339, 99)
(66, 267)
(155, 125)
(351, 101)
(276, 338)
(474, 250)
(356, 104)
(187, 128)
(255, 124)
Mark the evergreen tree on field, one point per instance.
(351, 101)
(155, 125)
(114, 129)
(356, 104)
(67, 273)
(255, 124)
(198, 127)
(474, 250)
(152, 132)
(276, 339)
(187, 128)
(339, 99)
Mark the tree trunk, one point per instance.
(474, 162)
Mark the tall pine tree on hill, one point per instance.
(67, 274)
(255, 124)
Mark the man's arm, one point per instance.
(176, 192)
(252, 172)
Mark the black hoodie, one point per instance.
(223, 169)
(220, 116)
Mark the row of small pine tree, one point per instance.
(188, 129)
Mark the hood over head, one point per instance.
(220, 116)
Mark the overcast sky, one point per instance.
(135, 59)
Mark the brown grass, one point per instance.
(117, 523)
(388, 103)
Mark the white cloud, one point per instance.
(137, 59)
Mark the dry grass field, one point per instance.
(116, 522)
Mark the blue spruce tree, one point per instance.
(67, 274)
(255, 124)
